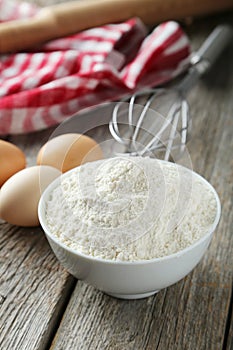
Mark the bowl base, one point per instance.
(133, 296)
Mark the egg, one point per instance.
(12, 160)
(20, 194)
(68, 151)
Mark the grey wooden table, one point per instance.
(43, 307)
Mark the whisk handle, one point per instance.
(213, 46)
(204, 58)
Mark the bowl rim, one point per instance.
(53, 184)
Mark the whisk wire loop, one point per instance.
(176, 122)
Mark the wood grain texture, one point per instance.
(33, 288)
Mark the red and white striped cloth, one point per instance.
(43, 87)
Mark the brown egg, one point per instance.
(12, 160)
(20, 195)
(67, 151)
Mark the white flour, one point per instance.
(130, 208)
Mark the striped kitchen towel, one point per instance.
(42, 87)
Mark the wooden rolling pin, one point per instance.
(71, 17)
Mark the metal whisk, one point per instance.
(158, 120)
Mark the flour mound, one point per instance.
(130, 208)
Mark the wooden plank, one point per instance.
(94, 320)
(205, 299)
(229, 330)
(207, 291)
(194, 312)
(34, 288)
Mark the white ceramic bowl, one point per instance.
(128, 280)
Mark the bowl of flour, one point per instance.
(129, 226)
